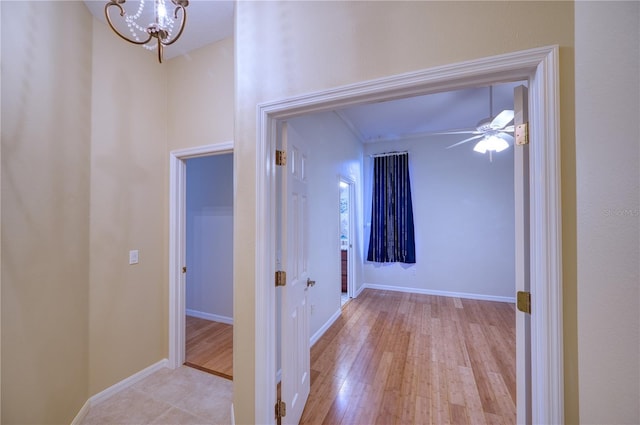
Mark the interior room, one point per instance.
(463, 200)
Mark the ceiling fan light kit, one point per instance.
(492, 144)
(493, 133)
(161, 28)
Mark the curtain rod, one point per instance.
(375, 155)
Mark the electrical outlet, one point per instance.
(133, 256)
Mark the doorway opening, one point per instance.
(461, 199)
(347, 238)
(209, 262)
(194, 257)
(540, 68)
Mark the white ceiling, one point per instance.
(209, 21)
(420, 115)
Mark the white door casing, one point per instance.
(539, 67)
(295, 307)
(353, 239)
(523, 268)
(177, 242)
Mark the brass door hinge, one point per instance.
(524, 302)
(522, 134)
(281, 157)
(281, 409)
(281, 278)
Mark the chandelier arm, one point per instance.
(182, 24)
(106, 14)
(160, 51)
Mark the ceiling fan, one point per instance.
(493, 132)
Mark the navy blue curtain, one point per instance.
(392, 238)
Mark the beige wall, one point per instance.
(200, 90)
(141, 111)
(289, 48)
(129, 166)
(608, 193)
(46, 131)
(186, 102)
(85, 130)
(58, 167)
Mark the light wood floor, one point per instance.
(209, 346)
(398, 358)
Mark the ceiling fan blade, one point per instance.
(508, 129)
(465, 141)
(503, 118)
(459, 132)
(509, 138)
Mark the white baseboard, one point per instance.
(117, 387)
(440, 293)
(127, 382)
(316, 336)
(359, 290)
(209, 316)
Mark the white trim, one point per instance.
(358, 291)
(540, 67)
(177, 189)
(204, 150)
(209, 316)
(547, 380)
(354, 234)
(316, 336)
(265, 294)
(117, 387)
(127, 382)
(466, 295)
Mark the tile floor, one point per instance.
(183, 396)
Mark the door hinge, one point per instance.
(281, 409)
(522, 134)
(281, 278)
(524, 302)
(281, 157)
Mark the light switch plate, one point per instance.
(133, 256)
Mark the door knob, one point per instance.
(310, 282)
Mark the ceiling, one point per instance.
(210, 21)
(422, 115)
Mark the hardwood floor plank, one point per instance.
(397, 358)
(472, 397)
(209, 346)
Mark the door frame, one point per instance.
(540, 67)
(351, 183)
(177, 241)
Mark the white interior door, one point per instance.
(523, 270)
(295, 307)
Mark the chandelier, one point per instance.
(162, 27)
